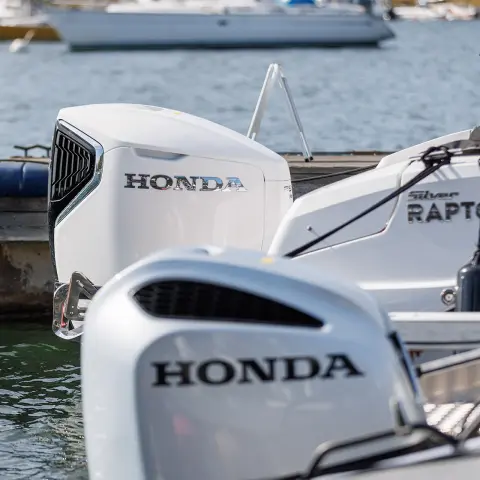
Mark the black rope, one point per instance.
(432, 164)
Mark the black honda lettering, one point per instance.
(131, 180)
(206, 374)
(339, 362)
(181, 371)
(294, 364)
(166, 180)
(182, 180)
(215, 372)
(264, 373)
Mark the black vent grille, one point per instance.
(196, 300)
(72, 166)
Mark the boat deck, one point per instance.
(332, 160)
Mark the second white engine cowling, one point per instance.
(127, 180)
(222, 364)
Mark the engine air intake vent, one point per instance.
(197, 300)
(72, 165)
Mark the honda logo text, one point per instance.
(216, 371)
(145, 181)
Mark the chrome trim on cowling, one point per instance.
(97, 174)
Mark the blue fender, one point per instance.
(23, 179)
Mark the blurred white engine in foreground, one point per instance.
(219, 364)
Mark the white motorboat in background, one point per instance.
(151, 24)
(435, 10)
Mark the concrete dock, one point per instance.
(26, 280)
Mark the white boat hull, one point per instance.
(93, 30)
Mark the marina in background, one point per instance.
(85, 25)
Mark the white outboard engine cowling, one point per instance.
(222, 364)
(127, 180)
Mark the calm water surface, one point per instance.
(424, 84)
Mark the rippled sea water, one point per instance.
(41, 435)
(423, 84)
